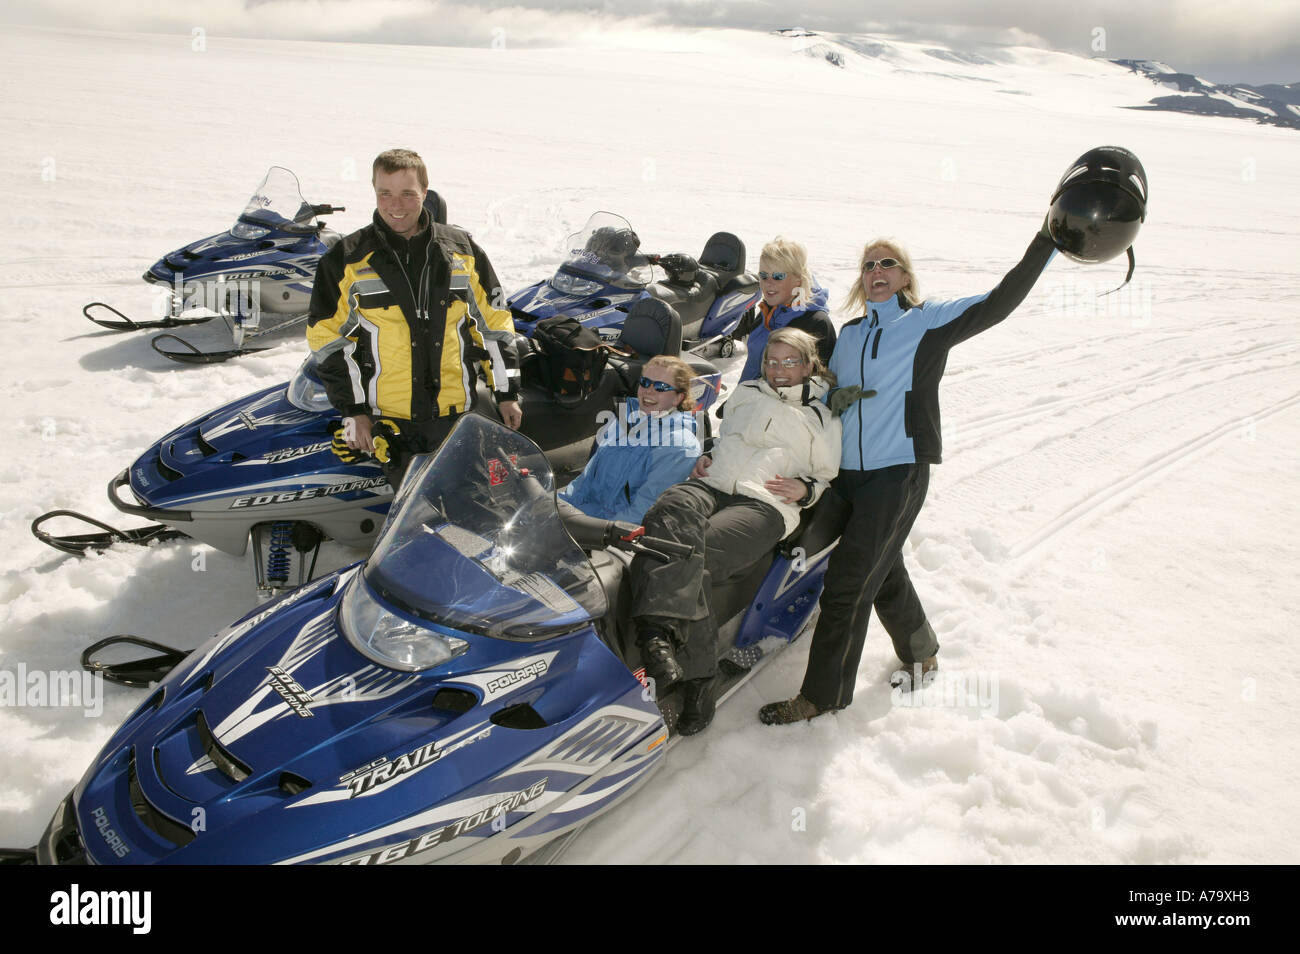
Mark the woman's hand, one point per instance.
(701, 468)
(788, 489)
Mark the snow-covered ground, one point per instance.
(1109, 552)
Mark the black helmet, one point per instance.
(1099, 205)
(614, 246)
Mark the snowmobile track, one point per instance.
(1117, 491)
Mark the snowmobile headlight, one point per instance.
(569, 284)
(389, 639)
(242, 230)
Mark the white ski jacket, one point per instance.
(768, 432)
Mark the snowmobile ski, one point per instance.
(126, 323)
(195, 356)
(79, 544)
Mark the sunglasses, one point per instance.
(775, 276)
(661, 386)
(784, 362)
(871, 263)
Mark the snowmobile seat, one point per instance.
(437, 206)
(652, 327)
(724, 255)
(819, 525)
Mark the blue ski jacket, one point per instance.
(901, 352)
(811, 318)
(638, 456)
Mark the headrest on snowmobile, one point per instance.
(724, 253)
(437, 206)
(1099, 205)
(652, 327)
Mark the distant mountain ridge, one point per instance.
(1272, 103)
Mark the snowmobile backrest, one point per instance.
(819, 526)
(725, 254)
(437, 206)
(652, 327)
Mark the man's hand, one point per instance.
(788, 489)
(358, 434)
(701, 468)
(512, 415)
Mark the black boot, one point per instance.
(698, 706)
(660, 663)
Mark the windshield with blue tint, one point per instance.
(474, 541)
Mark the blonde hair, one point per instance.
(681, 373)
(787, 255)
(856, 303)
(805, 345)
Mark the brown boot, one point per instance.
(791, 710)
(915, 673)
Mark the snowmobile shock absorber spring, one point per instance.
(277, 553)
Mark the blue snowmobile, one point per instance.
(262, 468)
(605, 271)
(255, 277)
(479, 650)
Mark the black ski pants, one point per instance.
(865, 570)
(730, 533)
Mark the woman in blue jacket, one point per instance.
(791, 298)
(898, 350)
(649, 446)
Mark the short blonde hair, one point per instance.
(787, 255)
(856, 303)
(681, 373)
(806, 347)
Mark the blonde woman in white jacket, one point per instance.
(777, 450)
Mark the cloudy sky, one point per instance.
(1253, 41)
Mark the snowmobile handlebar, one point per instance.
(326, 209)
(592, 532)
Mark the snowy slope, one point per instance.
(1109, 551)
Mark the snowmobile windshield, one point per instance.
(276, 205)
(605, 252)
(474, 541)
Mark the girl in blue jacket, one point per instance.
(791, 298)
(642, 451)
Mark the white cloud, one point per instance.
(1263, 35)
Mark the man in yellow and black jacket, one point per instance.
(403, 315)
